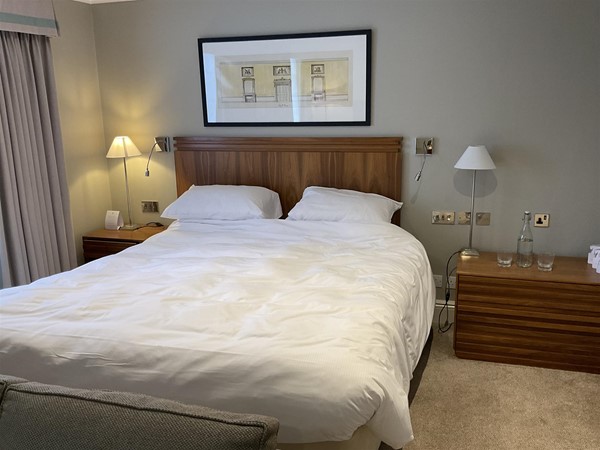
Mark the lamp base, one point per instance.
(130, 227)
(469, 252)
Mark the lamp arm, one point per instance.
(472, 211)
(420, 172)
(127, 191)
(149, 157)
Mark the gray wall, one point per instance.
(74, 55)
(521, 77)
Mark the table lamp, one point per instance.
(475, 157)
(123, 147)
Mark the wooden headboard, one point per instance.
(287, 165)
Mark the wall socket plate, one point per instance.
(452, 282)
(464, 217)
(483, 218)
(442, 217)
(439, 281)
(541, 220)
(149, 206)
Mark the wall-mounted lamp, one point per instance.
(123, 147)
(161, 144)
(423, 146)
(474, 158)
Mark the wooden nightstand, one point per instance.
(524, 316)
(99, 243)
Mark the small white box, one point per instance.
(113, 220)
(596, 263)
(593, 248)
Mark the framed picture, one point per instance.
(292, 79)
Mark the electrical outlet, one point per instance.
(149, 206)
(464, 217)
(452, 282)
(541, 220)
(442, 217)
(483, 218)
(439, 281)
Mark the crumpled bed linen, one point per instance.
(318, 324)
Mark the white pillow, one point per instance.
(225, 202)
(342, 205)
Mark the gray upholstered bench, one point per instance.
(40, 416)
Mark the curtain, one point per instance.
(4, 273)
(28, 16)
(37, 237)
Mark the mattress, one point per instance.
(317, 324)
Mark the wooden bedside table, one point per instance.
(99, 243)
(525, 316)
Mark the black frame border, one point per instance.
(368, 36)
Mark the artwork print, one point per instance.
(302, 79)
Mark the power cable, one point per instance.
(447, 325)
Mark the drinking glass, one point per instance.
(545, 261)
(504, 258)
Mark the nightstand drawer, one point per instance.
(94, 249)
(522, 299)
(100, 243)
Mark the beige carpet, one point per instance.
(464, 404)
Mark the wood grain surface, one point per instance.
(525, 316)
(288, 165)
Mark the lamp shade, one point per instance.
(122, 147)
(475, 157)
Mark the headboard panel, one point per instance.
(288, 165)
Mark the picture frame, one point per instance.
(303, 79)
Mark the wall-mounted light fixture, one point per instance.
(423, 146)
(161, 144)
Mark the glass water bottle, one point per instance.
(525, 243)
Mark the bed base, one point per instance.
(362, 439)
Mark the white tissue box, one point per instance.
(593, 254)
(596, 262)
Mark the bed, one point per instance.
(319, 324)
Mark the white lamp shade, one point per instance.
(122, 147)
(475, 157)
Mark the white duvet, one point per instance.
(317, 324)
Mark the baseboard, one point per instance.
(439, 305)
